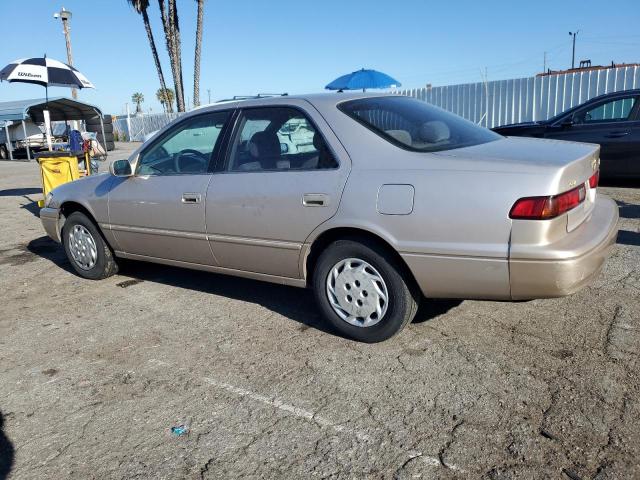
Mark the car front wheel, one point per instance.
(86, 249)
(363, 291)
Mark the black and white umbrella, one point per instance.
(46, 72)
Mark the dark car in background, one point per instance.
(611, 120)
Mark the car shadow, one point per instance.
(432, 308)
(628, 210)
(7, 452)
(625, 237)
(46, 248)
(297, 304)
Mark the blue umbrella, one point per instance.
(363, 79)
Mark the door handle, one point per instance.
(191, 198)
(315, 200)
(616, 134)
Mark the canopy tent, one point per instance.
(60, 109)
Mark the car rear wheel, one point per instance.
(86, 249)
(363, 291)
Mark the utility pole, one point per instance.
(573, 55)
(65, 16)
(209, 95)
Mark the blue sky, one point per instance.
(253, 46)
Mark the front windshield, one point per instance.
(415, 125)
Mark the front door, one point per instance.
(282, 178)
(160, 211)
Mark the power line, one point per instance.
(434, 75)
(595, 42)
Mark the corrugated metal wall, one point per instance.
(524, 99)
(141, 125)
(492, 104)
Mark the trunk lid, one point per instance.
(543, 167)
(567, 163)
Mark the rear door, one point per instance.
(610, 123)
(283, 176)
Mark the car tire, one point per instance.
(109, 137)
(86, 249)
(382, 276)
(4, 154)
(108, 128)
(106, 120)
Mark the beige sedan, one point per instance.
(388, 201)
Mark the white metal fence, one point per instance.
(489, 104)
(141, 125)
(524, 99)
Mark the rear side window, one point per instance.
(415, 125)
(278, 139)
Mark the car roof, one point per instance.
(317, 99)
(619, 93)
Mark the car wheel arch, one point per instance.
(350, 233)
(69, 207)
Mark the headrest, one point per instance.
(401, 135)
(434, 131)
(264, 144)
(318, 142)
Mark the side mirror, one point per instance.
(567, 122)
(120, 168)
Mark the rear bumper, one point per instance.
(50, 218)
(565, 268)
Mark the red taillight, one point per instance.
(595, 178)
(543, 208)
(531, 207)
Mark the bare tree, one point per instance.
(170, 22)
(141, 7)
(196, 62)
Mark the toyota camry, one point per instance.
(373, 201)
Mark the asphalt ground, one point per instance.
(94, 375)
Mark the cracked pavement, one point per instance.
(93, 375)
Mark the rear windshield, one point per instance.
(415, 125)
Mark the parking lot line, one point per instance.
(286, 407)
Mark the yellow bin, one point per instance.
(56, 168)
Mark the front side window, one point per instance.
(613, 111)
(415, 125)
(187, 150)
(278, 139)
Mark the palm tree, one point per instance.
(141, 6)
(196, 62)
(137, 98)
(169, 15)
(165, 97)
